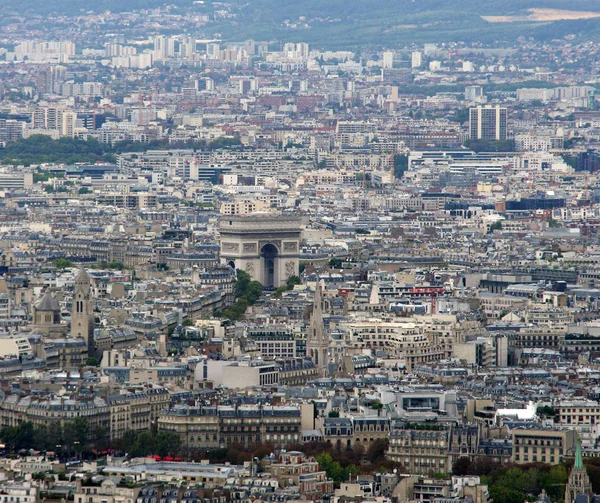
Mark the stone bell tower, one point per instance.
(82, 311)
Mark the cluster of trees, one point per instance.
(334, 469)
(70, 437)
(337, 461)
(546, 410)
(496, 226)
(115, 265)
(62, 263)
(289, 285)
(335, 263)
(340, 462)
(515, 484)
(400, 165)
(162, 443)
(44, 176)
(51, 189)
(76, 437)
(38, 149)
(247, 292)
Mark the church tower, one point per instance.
(82, 311)
(317, 340)
(579, 481)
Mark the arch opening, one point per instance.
(269, 255)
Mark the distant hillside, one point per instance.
(339, 23)
(364, 23)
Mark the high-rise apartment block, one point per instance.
(488, 123)
(388, 59)
(416, 59)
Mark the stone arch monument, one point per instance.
(266, 247)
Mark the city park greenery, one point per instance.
(289, 285)
(508, 483)
(39, 149)
(247, 292)
(77, 438)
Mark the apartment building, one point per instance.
(107, 492)
(577, 412)
(295, 469)
(420, 451)
(542, 446)
(211, 427)
(273, 341)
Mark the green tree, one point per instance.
(167, 443)
(377, 449)
(335, 263)
(62, 263)
(55, 434)
(400, 165)
(496, 226)
(546, 410)
(289, 285)
(554, 481)
(501, 494)
(144, 444)
(247, 293)
(292, 281)
(333, 468)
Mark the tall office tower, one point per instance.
(416, 59)
(488, 123)
(388, 59)
(473, 93)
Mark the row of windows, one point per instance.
(541, 441)
(535, 459)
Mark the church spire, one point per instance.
(579, 481)
(317, 339)
(578, 457)
(317, 315)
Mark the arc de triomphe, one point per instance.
(266, 247)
